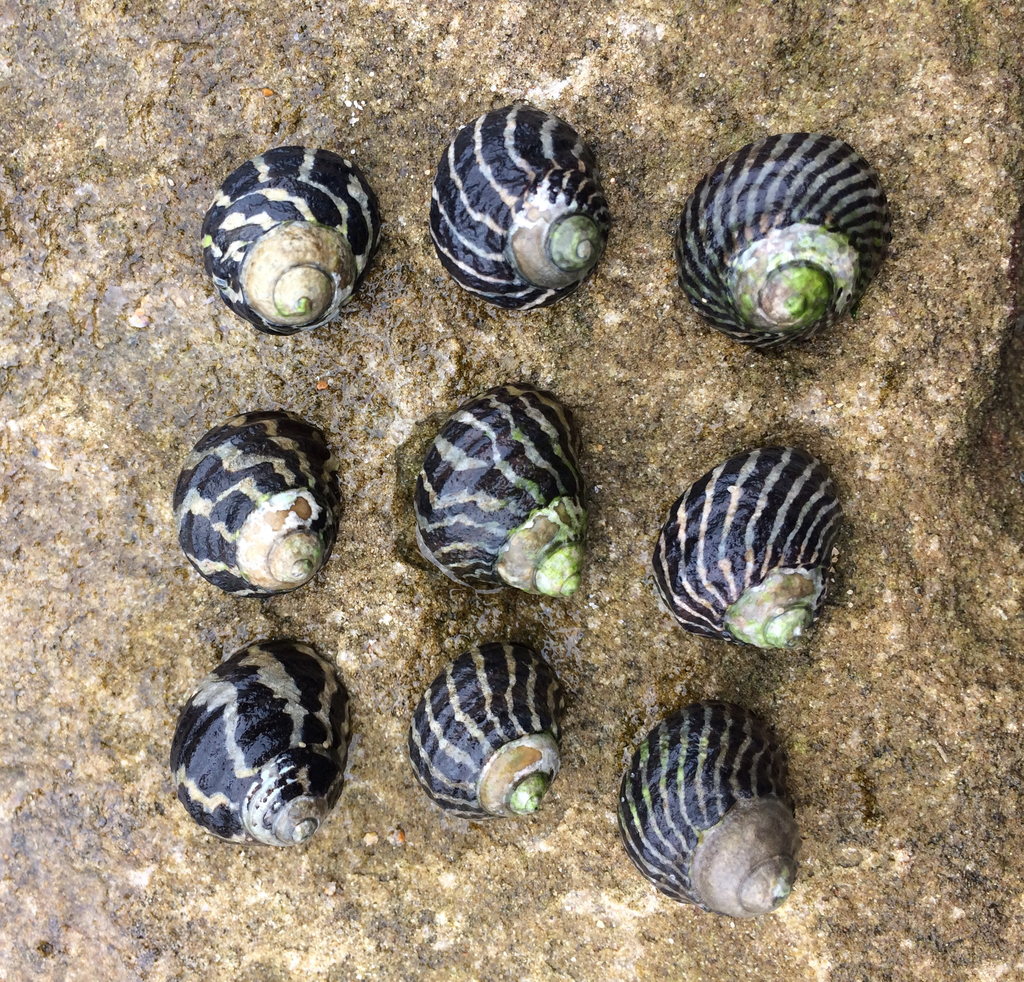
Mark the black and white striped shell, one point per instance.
(500, 501)
(256, 506)
(704, 813)
(289, 236)
(484, 740)
(259, 750)
(782, 238)
(518, 216)
(746, 551)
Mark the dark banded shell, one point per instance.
(500, 500)
(256, 506)
(484, 738)
(289, 236)
(782, 238)
(746, 551)
(518, 216)
(704, 813)
(259, 750)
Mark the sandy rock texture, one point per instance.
(901, 717)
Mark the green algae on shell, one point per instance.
(782, 238)
(500, 500)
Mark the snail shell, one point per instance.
(289, 236)
(499, 501)
(746, 551)
(484, 739)
(256, 506)
(782, 238)
(704, 813)
(518, 216)
(259, 750)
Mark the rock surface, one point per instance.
(901, 716)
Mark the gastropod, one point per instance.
(289, 237)
(517, 214)
(256, 506)
(746, 550)
(500, 501)
(782, 238)
(704, 813)
(484, 739)
(259, 750)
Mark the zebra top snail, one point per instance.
(499, 501)
(746, 551)
(517, 214)
(782, 237)
(704, 813)
(289, 236)
(259, 750)
(256, 505)
(484, 739)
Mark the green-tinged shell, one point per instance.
(259, 750)
(484, 739)
(500, 501)
(746, 550)
(256, 506)
(704, 813)
(782, 238)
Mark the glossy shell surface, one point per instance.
(746, 550)
(500, 500)
(517, 214)
(256, 506)
(782, 238)
(259, 750)
(694, 768)
(493, 702)
(289, 237)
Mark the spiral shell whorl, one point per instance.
(517, 213)
(745, 552)
(259, 750)
(289, 236)
(256, 506)
(499, 501)
(822, 210)
(484, 738)
(710, 776)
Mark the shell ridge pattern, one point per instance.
(780, 516)
(655, 769)
(509, 135)
(702, 571)
(807, 521)
(750, 549)
(440, 788)
(511, 201)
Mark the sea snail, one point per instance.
(704, 813)
(782, 238)
(256, 505)
(517, 215)
(746, 550)
(500, 501)
(259, 750)
(289, 236)
(484, 739)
